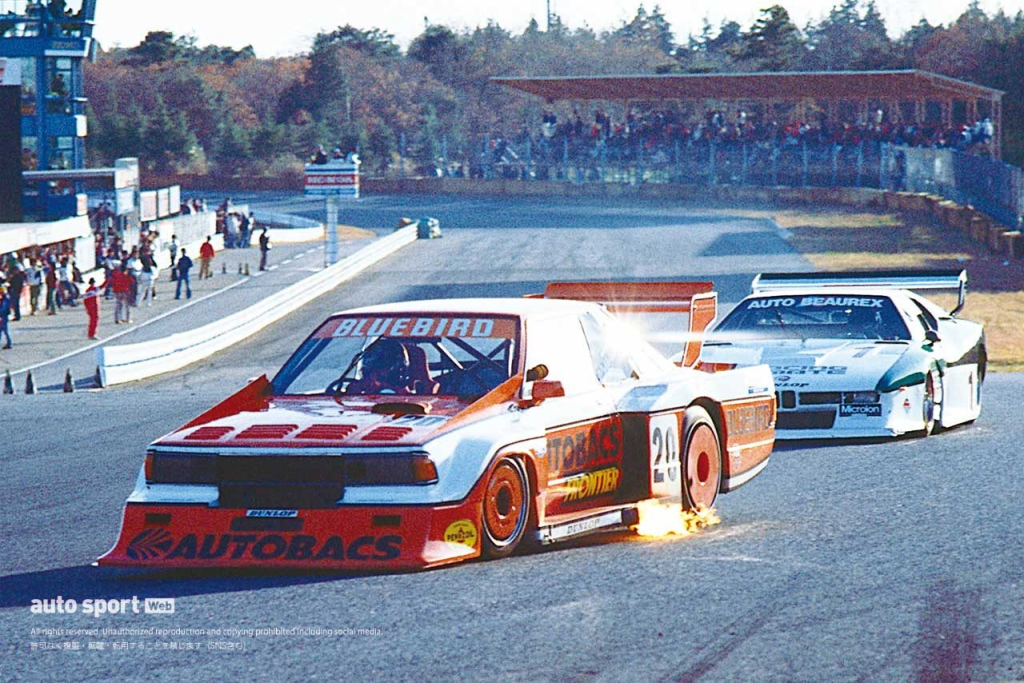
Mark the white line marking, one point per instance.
(135, 328)
(272, 268)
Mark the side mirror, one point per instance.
(537, 372)
(547, 388)
(932, 337)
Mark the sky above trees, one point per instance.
(278, 29)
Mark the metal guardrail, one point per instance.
(285, 220)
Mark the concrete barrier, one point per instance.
(131, 362)
(994, 236)
(1012, 245)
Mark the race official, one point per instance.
(205, 259)
(122, 286)
(91, 301)
(173, 248)
(5, 315)
(264, 248)
(34, 277)
(183, 267)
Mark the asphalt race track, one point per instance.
(868, 561)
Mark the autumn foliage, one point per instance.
(186, 108)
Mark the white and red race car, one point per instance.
(429, 432)
(857, 354)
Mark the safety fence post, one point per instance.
(401, 154)
(835, 165)
(444, 156)
(804, 152)
(860, 161)
(678, 176)
(711, 162)
(743, 165)
(775, 165)
(529, 159)
(565, 159)
(883, 152)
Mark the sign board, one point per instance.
(126, 173)
(339, 178)
(148, 206)
(10, 71)
(175, 200)
(82, 200)
(163, 202)
(124, 200)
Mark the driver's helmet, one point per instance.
(863, 317)
(386, 361)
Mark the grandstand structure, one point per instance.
(898, 97)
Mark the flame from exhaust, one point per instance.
(659, 519)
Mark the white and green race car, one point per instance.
(857, 354)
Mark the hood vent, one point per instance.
(266, 432)
(325, 432)
(387, 434)
(401, 408)
(208, 433)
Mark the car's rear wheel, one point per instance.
(702, 461)
(506, 508)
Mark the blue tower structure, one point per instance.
(50, 40)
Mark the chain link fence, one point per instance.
(989, 185)
(790, 163)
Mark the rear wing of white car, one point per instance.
(877, 279)
(697, 299)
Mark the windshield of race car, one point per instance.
(814, 317)
(403, 354)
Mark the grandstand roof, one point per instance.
(906, 85)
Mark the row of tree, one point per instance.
(190, 108)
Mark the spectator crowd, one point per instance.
(658, 133)
(46, 280)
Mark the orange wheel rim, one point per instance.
(503, 502)
(703, 467)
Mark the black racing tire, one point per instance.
(505, 512)
(929, 408)
(980, 374)
(701, 461)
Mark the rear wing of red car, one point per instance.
(876, 279)
(697, 299)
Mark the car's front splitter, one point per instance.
(350, 538)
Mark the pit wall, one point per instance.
(1001, 239)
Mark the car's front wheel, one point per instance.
(702, 461)
(930, 406)
(506, 508)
